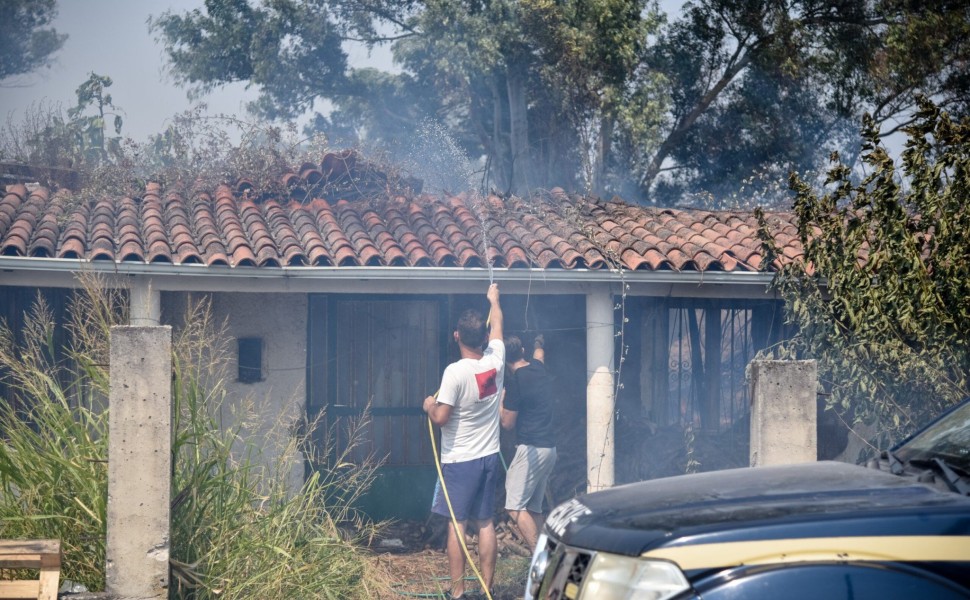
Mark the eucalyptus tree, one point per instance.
(590, 53)
(603, 95)
(487, 69)
(766, 87)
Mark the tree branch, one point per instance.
(680, 130)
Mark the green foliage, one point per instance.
(89, 130)
(750, 85)
(776, 86)
(486, 70)
(880, 299)
(290, 50)
(590, 52)
(26, 43)
(924, 48)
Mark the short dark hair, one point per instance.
(471, 328)
(513, 349)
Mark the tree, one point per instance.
(880, 296)
(590, 53)
(598, 94)
(26, 43)
(475, 57)
(474, 65)
(91, 133)
(756, 86)
(924, 50)
(291, 50)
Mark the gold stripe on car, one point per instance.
(872, 548)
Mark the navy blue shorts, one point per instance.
(471, 489)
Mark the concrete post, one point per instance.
(145, 305)
(139, 462)
(599, 391)
(784, 426)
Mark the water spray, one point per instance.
(488, 259)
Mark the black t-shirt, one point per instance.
(528, 391)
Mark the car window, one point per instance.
(948, 438)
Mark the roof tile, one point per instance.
(230, 226)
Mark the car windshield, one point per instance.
(947, 438)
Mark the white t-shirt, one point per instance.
(472, 387)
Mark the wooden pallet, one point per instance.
(44, 555)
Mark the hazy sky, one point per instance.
(111, 37)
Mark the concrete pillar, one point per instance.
(145, 303)
(599, 390)
(784, 427)
(139, 462)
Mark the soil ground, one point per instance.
(412, 557)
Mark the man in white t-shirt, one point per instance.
(467, 410)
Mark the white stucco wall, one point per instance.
(271, 406)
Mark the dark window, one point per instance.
(250, 359)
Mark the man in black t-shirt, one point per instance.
(528, 408)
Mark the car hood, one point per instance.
(804, 500)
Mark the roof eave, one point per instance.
(418, 278)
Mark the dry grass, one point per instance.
(420, 571)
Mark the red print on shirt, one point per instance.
(486, 384)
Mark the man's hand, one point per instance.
(438, 413)
(538, 348)
(492, 294)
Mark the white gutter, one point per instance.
(60, 272)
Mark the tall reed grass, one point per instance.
(240, 529)
(54, 432)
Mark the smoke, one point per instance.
(435, 157)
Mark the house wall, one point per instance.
(273, 404)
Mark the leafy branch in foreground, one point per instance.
(880, 297)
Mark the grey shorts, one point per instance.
(525, 483)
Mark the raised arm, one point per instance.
(494, 314)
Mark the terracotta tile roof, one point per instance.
(226, 226)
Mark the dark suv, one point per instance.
(898, 529)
